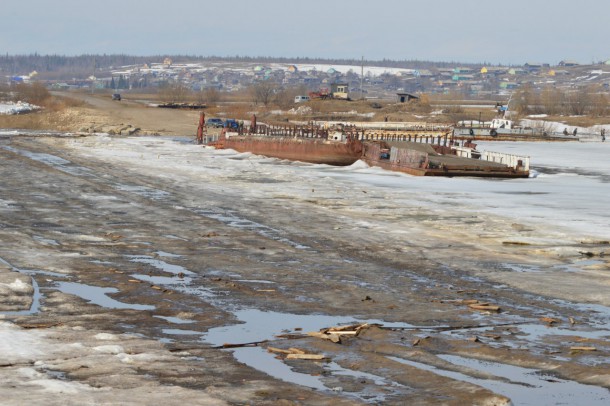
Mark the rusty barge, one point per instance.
(423, 159)
(316, 148)
(421, 155)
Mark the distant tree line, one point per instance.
(61, 67)
(587, 100)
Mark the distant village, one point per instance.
(364, 81)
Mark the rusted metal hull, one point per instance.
(312, 150)
(466, 170)
(420, 162)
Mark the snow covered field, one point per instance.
(567, 192)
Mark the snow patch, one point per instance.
(17, 108)
(109, 349)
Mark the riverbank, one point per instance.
(98, 113)
(131, 261)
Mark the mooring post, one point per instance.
(200, 128)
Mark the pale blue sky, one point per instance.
(497, 32)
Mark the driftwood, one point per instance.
(583, 349)
(549, 320)
(484, 306)
(334, 334)
(40, 325)
(296, 353)
(313, 357)
(250, 344)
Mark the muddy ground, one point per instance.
(111, 277)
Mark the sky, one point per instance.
(470, 31)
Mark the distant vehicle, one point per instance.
(116, 96)
(215, 122)
(231, 123)
(301, 99)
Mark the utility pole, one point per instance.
(362, 78)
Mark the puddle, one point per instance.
(162, 280)
(536, 332)
(263, 361)
(36, 296)
(255, 281)
(574, 267)
(198, 291)
(260, 325)
(97, 261)
(144, 191)
(175, 320)
(232, 220)
(174, 237)
(521, 267)
(161, 265)
(34, 307)
(595, 313)
(538, 338)
(98, 296)
(524, 386)
(46, 241)
(177, 331)
(578, 266)
(167, 254)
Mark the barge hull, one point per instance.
(317, 151)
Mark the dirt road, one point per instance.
(137, 273)
(100, 113)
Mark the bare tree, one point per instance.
(579, 101)
(263, 92)
(522, 100)
(551, 100)
(174, 93)
(600, 106)
(208, 96)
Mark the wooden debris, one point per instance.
(484, 306)
(416, 342)
(134, 281)
(323, 336)
(290, 336)
(313, 357)
(549, 320)
(278, 350)
(335, 334)
(297, 353)
(39, 325)
(572, 321)
(583, 349)
(251, 344)
(474, 339)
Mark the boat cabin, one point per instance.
(339, 90)
(501, 123)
